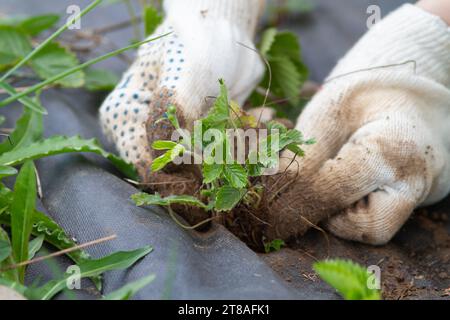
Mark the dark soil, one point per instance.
(414, 265)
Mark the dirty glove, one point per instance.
(183, 69)
(383, 135)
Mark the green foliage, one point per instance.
(152, 19)
(14, 45)
(144, 199)
(28, 129)
(348, 278)
(5, 249)
(35, 245)
(55, 59)
(226, 182)
(286, 75)
(56, 65)
(60, 144)
(130, 289)
(274, 245)
(22, 208)
(100, 80)
(90, 268)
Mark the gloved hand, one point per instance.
(183, 69)
(383, 136)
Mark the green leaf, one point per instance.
(152, 19)
(28, 129)
(145, 199)
(60, 144)
(236, 175)
(168, 157)
(53, 36)
(5, 249)
(100, 80)
(282, 50)
(14, 45)
(274, 245)
(34, 246)
(130, 289)
(36, 24)
(7, 171)
(55, 59)
(22, 208)
(90, 268)
(348, 278)
(26, 101)
(11, 274)
(228, 197)
(163, 145)
(219, 113)
(267, 40)
(43, 225)
(211, 172)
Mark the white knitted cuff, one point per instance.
(408, 33)
(244, 13)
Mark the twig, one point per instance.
(375, 68)
(269, 68)
(59, 253)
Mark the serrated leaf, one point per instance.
(54, 59)
(267, 40)
(228, 197)
(348, 278)
(35, 245)
(211, 172)
(145, 199)
(100, 80)
(236, 175)
(22, 209)
(90, 268)
(28, 129)
(60, 144)
(36, 24)
(42, 225)
(14, 45)
(287, 81)
(152, 19)
(130, 289)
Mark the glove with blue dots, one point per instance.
(182, 69)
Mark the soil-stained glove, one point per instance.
(383, 135)
(183, 69)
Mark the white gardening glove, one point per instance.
(383, 135)
(183, 69)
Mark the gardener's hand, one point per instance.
(183, 69)
(383, 135)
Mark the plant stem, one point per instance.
(49, 39)
(137, 33)
(72, 70)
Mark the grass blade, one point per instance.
(74, 69)
(115, 261)
(22, 209)
(49, 39)
(130, 289)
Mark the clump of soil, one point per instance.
(261, 216)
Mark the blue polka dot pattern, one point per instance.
(149, 84)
